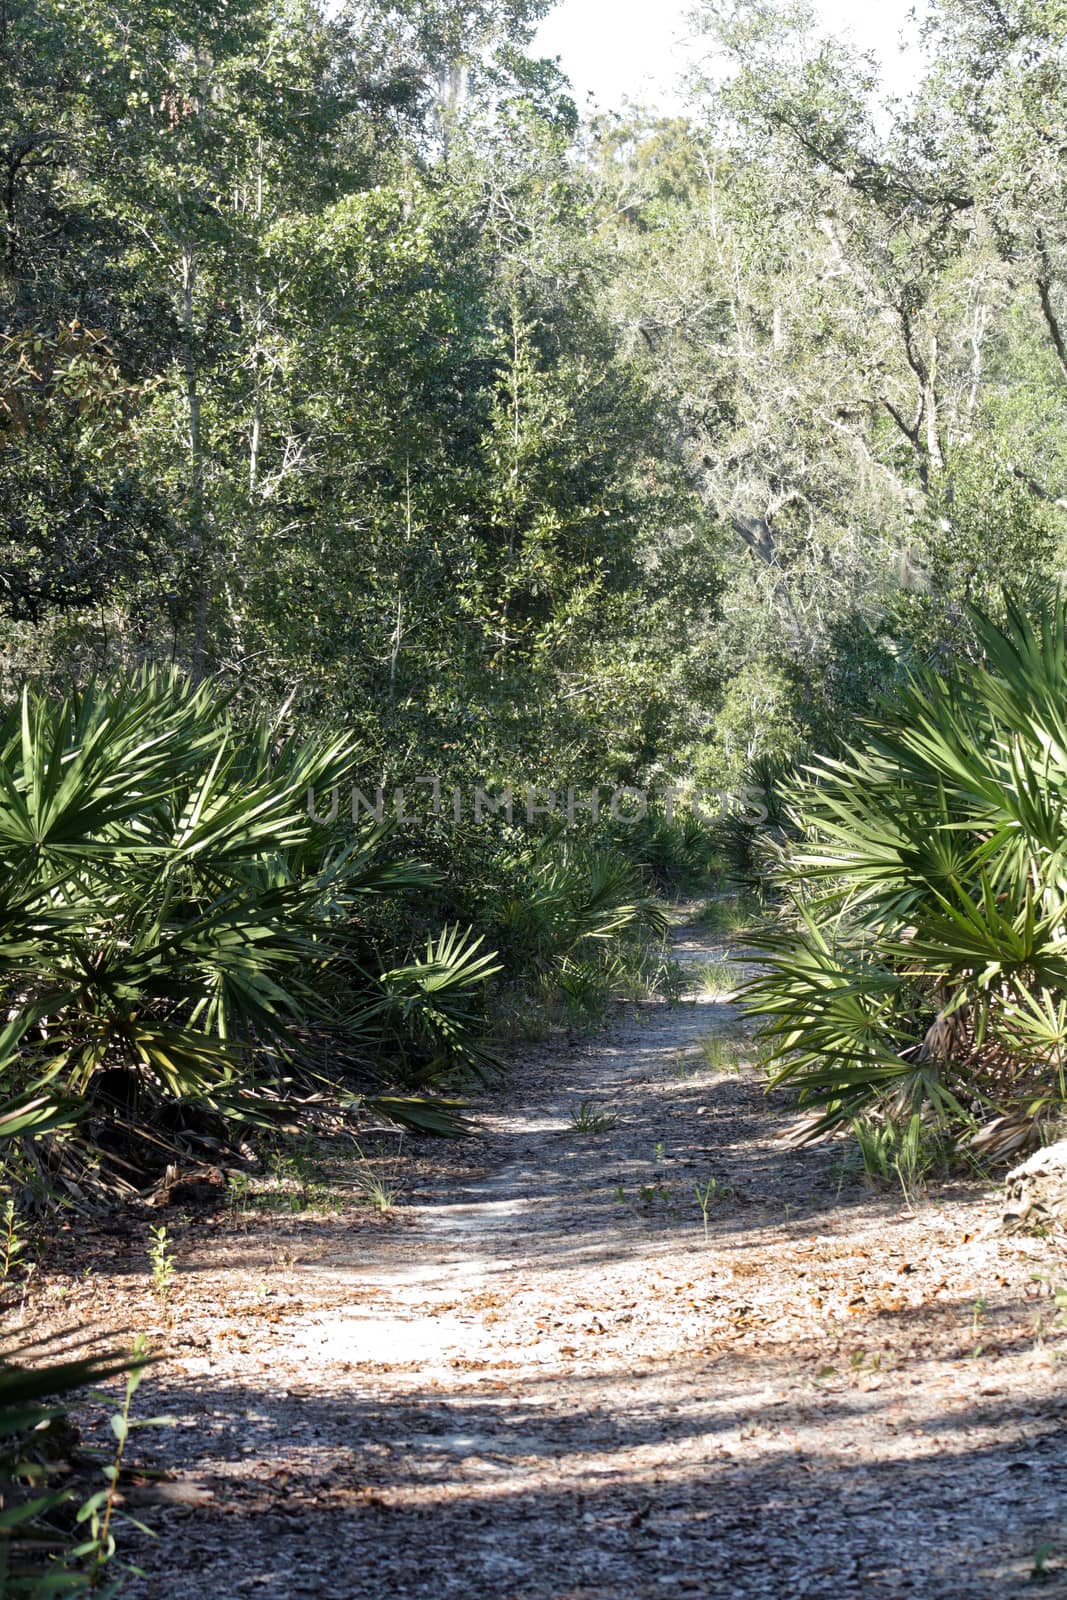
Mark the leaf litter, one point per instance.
(535, 1379)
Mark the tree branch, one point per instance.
(1044, 290)
(1036, 488)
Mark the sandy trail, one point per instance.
(539, 1381)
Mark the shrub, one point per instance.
(751, 838)
(929, 959)
(577, 922)
(175, 928)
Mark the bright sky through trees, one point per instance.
(639, 49)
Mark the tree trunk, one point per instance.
(196, 516)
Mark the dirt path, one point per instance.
(538, 1379)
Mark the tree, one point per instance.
(825, 300)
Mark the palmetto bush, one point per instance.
(572, 918)
(675, 852)
(174, 925)
(752, 838)
(928, 964)
(576, 919)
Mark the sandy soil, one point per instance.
(536, 1379)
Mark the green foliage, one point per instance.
(928, 964)
(37, 1560)
(12, 1240)
(171, 911)
(718, 977)
(573, 898)
(582, 922)
(678, 852)
(755, 725)
(161, 1257)
(722, 1055)
(293, 402)
(707, 1193)
(589, 1118)
(350, 373)
(730, 914)
(893, 1153)
(751, 838)
(99, 1514)
(855, 306)
(428, 1012)
(378, 1182)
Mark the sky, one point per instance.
(638, 48)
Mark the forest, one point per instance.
(498, 601)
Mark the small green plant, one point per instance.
(37, 1558)
(893, 1153)
(730, 914)
(875, 1142)
(666, 977)
(297, 1180)
(585, 987)
(618, 1194)
(1057, 1293)
(12, 1239)
(296, 1163)
(161, 1256)
(98, 1513)
(722, 1055)
(915, 1157)
(978, 1311)
(238, 1192)
(380, 1189)
(288, 1192)
(657, 1154)
(1039, 1572)
(586, 1118)
(719, 977)
(706, 1193)
(865, 1360)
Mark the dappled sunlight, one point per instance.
(681, 1473)
(533, 785)
(548, 1360)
